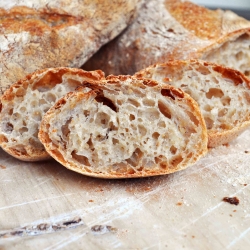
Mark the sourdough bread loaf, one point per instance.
(175, 29)
(25, 102)
(125, 127)
(41, 34)
(223, 94)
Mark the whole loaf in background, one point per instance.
(39, 34)
(174, 29)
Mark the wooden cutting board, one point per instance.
(45, 206)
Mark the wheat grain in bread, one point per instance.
(125, 127)
(223, 94)
(38, 34)
(25, 102)
(174, 29)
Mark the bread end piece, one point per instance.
(25, 102)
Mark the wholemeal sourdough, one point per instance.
(125, 127)
(174, 29)
(25, 102)
(41, 34)
(223, 94)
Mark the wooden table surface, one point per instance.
(45, 206)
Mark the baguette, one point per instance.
(42, 34)
(173, 29)
(25, 102)
(223, 94)
(125, 127)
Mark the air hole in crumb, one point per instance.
(209, 122)
(207, 108)
(164, 109)
(86, 113)
(163, 165)
(80, 158)
(222, 112)
(247, 97)
(226, 100)
(106, 101)
(23, 130)
(239, 56)
(37, 116)
(161, 124)
(115, 141)
(214, 92)
(203, 70)
(131, 117)
(102, 118)
(148, 102)
(155, 135)
(133, 102)
(142, 130)
(177, 160)
(193, 118)
(167, 92)
(35, 143)
(51, 98)
(134, 160)
(65, 128)
(157, 160)
(90, 143)
(8, 128)
(173, 149)
(225, 126)
(42, 102)
(10, 112)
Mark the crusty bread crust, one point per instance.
(42, 34)
(222, 93)
(174, 29)
(25, 102)
(125, 127)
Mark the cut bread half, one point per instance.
(223, 94)
(25, 102)
(125, 127)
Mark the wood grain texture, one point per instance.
(47, 206)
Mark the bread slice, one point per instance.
(23, 105)
(41, 34)
(222, 93)
(176, 29)
(125, 127)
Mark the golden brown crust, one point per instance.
(168, 30)
(56, 34)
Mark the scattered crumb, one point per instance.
(91, 200)
(231, 215)
(232, 200)
(234, 211)
(245, 184)
(193, 236)
(179, 203)
(102, 229)
(246, 151)
(2, 166)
